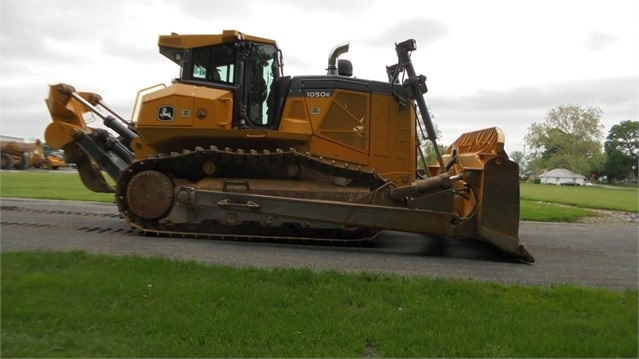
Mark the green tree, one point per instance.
(426, 146)
(622, 150)
(428, 151)
(523, 161)
(570, 138)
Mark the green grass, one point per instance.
(79, 305)
(618, 199)
(633, 185)
(549, 212)
(49, 185)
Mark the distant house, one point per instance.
(562, 176)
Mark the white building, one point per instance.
(560, 176)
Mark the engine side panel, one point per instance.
(355, 121)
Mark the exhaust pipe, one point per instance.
(332, 57)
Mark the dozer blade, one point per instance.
(498, 217)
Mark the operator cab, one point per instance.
(247, 66)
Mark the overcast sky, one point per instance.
(488, 63)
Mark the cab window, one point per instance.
(261, 72)
(214, 64)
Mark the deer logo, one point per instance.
(166, 113)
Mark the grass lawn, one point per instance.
(551, 212)
(619, 199)
(63, 185)
(79, 305)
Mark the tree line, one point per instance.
(571, 138)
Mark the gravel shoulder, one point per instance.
(611, 217)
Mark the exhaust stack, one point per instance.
(332, 58)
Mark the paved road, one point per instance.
(589, 255)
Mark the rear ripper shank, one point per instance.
(235, 149)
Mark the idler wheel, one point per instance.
(150, 194)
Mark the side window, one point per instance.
(226, 73)
(214, 64)
(199, 72)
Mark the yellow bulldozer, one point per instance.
(234, 149)
(23, 155)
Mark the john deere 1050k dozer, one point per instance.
(235, 149)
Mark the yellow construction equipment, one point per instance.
(235, 149)
(23, 155)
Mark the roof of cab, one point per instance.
(193, 41)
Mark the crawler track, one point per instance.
(188, 167)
